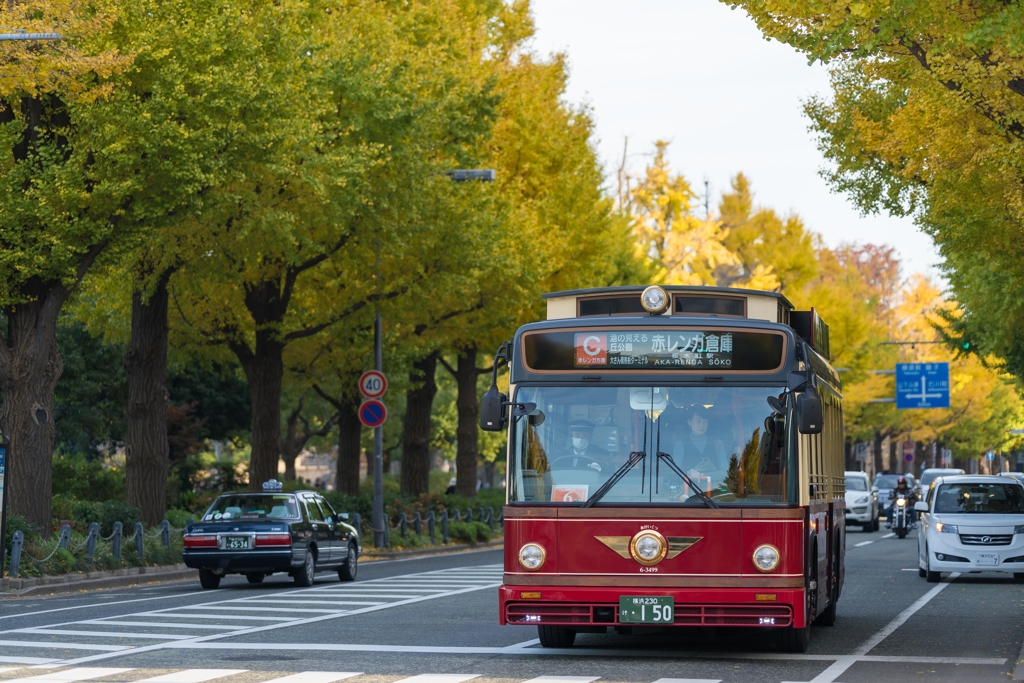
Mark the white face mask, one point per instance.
(580, 443)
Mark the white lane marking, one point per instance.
(569, 679)
(909, 570)
(316, 677)
(193, 676)
(63, 646)
(888, 535)
(309, 620)
(439, 678)
(93, 605)
(209, 616)
(110, 621)
(97, 634)
(412, 594)
(524, 644)
(688, 680)
(307, 602)
(5, 669)
(837, 669)
(231, 608)
(574, 652)
(862, 543)
(70, 675)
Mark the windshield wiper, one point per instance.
(634, 458)
(675, 468)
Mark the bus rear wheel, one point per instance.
(556, 636)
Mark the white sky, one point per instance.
(702, 76)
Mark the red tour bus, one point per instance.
(675, 458)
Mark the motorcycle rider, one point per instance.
(907, 492)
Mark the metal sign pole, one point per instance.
(5, 469)
(378, 449)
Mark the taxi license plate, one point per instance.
(236, 543)
(986, 560)
(646, 609)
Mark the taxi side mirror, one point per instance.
(492, 410)
(808, 412)
(920, 506)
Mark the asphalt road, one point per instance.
(434, 620)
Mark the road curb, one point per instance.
(424, 552)
(117, 578)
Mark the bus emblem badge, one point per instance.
(676, 544)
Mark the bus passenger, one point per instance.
(701, 455)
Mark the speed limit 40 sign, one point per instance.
(373, 384)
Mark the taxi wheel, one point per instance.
(347, 571)
(922, 573)
(556, 636)
(304, 575)
(254, 577)
(933, 577)
(208, 580)
(1018, 577)
(875, 525)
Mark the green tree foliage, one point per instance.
(927, 119)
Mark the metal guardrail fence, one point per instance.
(433, 520)
(116, 538)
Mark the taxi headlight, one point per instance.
(532, 556)
(649, 547)
(948, 528)
(654, 299)
(1019, 529)
(861, 500)
(766, 558)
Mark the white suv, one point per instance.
(861, 502)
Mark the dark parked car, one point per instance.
(258, 534)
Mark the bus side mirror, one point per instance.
(808, 413)
(492, 410)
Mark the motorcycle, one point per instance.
(901, 514)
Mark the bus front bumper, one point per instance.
(594, 607)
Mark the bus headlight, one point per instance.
(648, 547)
(654, 300)
(532, 556)
(766, 558)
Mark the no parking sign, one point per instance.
(372, 413)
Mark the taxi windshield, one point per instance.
(632, 445)
(980, 498)
(252, 506)
(856, 484)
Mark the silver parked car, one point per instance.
(861, 502)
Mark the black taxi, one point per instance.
(258, 534)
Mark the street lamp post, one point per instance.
(485, 175)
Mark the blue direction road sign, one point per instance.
(372, 413)
(922, 385)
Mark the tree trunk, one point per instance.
(30, 365)
(146, 447)
(349, 435)
(264, 369)
(416, 429)
(467, 450)
(294, 440)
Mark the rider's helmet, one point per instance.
(901, 482)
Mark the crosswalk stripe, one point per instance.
(222, 606)
(688, 680)
(97, 634)
(563, 679)
(439, 678)
(379, 595)
(64, 646)
(315, 602)
(316, 677)
(233, 617)
(112, 622)
(70, 675)
(5, 669)
(193, 676)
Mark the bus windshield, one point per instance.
(728, 441)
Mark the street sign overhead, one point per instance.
(373, 384)
(922, 385)
(372, 413)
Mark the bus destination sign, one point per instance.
(661, 349)
(642, 349)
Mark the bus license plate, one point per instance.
(236, 543)
(646, 609)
